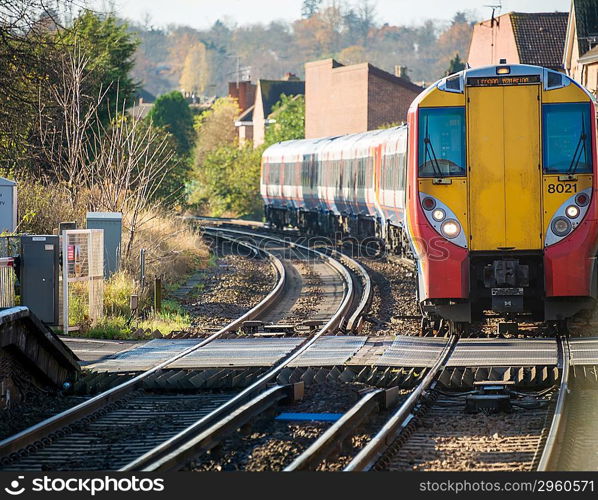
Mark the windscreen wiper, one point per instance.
(579, 149)
(429, 151)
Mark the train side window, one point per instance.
(401, 172)
(442, 142)
(567, 132)
(272, 173)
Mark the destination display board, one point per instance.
(493, 81)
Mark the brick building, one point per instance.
(254, 120)
(520, 38)
(349, 99)
(244, 93)
(581, 45)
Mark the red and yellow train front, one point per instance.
(501, 195)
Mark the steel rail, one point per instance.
(353, 322)
(336, 434)
(378, 445)
(175, 452)
(34, 433)
(213, 435)
(557, 426)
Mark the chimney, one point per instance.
(401, 72)
(290, 77)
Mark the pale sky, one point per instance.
(203, 13)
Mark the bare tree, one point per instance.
(119, 166)
(124, 169)
(64, 130)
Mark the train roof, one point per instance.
(456, 82)
(334, 147)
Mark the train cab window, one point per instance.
(442, 142)
(567, 138)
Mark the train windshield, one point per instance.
(567, 133)
(442, 142)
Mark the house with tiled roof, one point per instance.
(521, 38)
(253, 121)
(581, 45)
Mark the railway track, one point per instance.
(547, 430)
(433, 431)
(573, 439)
(314, 442)
(52, 443)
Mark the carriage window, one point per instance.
(442, 142)
(566, 138)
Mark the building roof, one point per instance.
(274, 114)
(273, 90)
(145, 95)
(140, 111)
(403, 82)
(590, 56)
(540, 37)
(586, 20)
(246, 116)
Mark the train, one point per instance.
(489, 187)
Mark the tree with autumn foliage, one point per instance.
(195, 74)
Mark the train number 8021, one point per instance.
(562, 188)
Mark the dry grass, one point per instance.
(173, 248)
(42, 207)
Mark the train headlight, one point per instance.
(572, 211)
(561, 226)
(450, 228)
(438, 214)
(429, 203)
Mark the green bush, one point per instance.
(117, 293)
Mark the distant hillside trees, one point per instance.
(455, 65)
(350, 30)
(310, 8)
(195, 75)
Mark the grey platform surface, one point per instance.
(584, 351)
(144, 356)
(505, 352)
(421, 352)
(330, 351)
(218, 353)
(239, 352)
(93, 350)
(402, 351)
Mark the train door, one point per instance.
(504, 167)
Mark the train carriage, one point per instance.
(491, 186)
